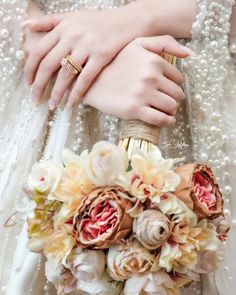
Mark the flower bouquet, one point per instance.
(124, 220)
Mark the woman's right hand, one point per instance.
(140, 84)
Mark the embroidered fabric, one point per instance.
(29, 133)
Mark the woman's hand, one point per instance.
(32, 37)
(93, 38)
(139, 84)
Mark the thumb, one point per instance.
(43, 24)
(165, 44)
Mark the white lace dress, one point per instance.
(205, 131)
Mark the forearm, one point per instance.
(158, 17)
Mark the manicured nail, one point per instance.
(35, 98)
(51, 105)
(26, 82)
(189, 51)
(69, 103)
(27, 22)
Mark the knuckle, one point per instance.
(83, 82)
(140, 91)
(138, 40)
(169, 38)
(173, 108)
(45, 67)
(37, 88)
(160, 119)
(131, 109)
(155, 62)
(56, 94)
(104, 54)
(147, 81)
(164, 120)
(35, 53)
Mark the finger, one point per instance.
(163, 103)
(64, 81)
(166, 44)
(155, 117)
(86, 77)
(49, 65)
(43, 24)
(172, 73)
(44, 46)
(170, 88)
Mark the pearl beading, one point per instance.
(209, 74)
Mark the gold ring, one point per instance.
(71, 66)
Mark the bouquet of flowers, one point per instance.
(124, 220)
(108, 224)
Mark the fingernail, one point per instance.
(35, 98)
(51, 105)
(26, 84)
(189, 51)
(69, 104)
(26, 23)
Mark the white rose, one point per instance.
(53, 271)
(86, 265)
(104, 163)
(124, 262)
(153, 283)
(103, 286)
(44, 177)
(152, 229)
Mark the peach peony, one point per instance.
(101, 219)
(199, 190)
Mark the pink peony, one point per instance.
(203, 191)
(101, 219)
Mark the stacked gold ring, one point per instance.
(71, 65)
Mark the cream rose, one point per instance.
(58, 246)
(86, 265)
(124, 262)
(104, 163)
(152, 229)
(153, 283)
(44, 177)
(103, 286)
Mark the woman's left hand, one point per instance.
(92, 38)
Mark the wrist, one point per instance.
(139, 18)
(158, 17)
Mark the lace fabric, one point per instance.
(204, 131)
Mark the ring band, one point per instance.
(71, 66)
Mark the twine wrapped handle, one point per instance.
(139, 130)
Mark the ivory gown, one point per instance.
(205, 132)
